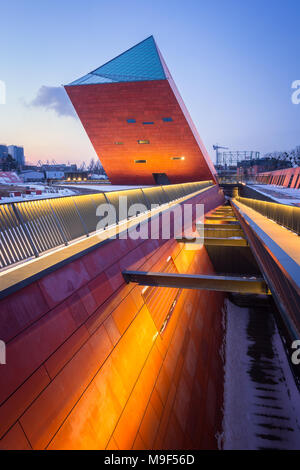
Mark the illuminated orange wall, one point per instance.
(86, 367)
(104, 109)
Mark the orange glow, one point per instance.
(95, 372)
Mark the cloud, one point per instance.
(54, 98)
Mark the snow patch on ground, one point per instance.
(261, 400)
(280, 194)
(237, 424)
(47, 192)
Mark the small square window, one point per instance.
(131, 121)
(167, 119)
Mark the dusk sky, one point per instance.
(233, 61)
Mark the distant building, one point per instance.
(59, 167)
(3, 152)
(252, 168)
(76, 175)
(95, 176)
(54, 175)
(249, 170)
(30, 167)
(32, 175)
(17, 154)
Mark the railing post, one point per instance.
(81, 219)
(24, 227)
(166, 196)
(109, 203)
(148, 203)
(58, 224)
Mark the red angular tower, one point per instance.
(137, 121)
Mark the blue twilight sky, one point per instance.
(233, 61)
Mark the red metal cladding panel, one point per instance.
(104, 110)
(288, 177)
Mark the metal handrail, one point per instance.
(282, 214)
(30, 228)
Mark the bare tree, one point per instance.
(82, 166)
(285, 159)
(91, 165)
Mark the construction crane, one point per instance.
(217, 147)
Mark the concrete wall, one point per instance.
(87, 369)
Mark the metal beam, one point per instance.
(223, 232)
(236, 241)
(230, 225)
(220, 217)
(222, 213)
(216, 241)
(240, 284)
